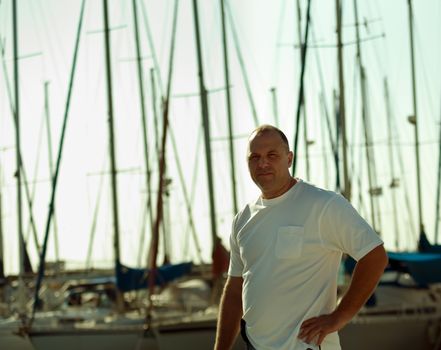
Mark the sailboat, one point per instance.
(405, 311)
(88, 324)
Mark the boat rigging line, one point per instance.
(300, 100)
(148, 181)
(94, 220)
(229, 110)
(242, 66)
(56, 173)
(51, 165)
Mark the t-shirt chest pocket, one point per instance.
(289, 242)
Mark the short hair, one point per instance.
(266, 128)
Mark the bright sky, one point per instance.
(266, 31)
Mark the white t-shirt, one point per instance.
(288, 250)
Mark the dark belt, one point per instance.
(244, 336)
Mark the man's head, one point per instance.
(269, 159)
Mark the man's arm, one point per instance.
(230, 314)
(365, 277)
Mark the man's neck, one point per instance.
(285, 188)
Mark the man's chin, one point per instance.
(263, 184)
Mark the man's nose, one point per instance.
(263, 162)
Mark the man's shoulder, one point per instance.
(242, 215)
(327, 201)
(317, 194)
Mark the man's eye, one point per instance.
(272, 156)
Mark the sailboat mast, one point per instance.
(438, 190)
(41, 266)
(367, 136)
(152, 258)
(337, 140)
(324, 113)
(51, 165)
(113, 170)
(415, 121)
(21, 245)
(273, 91)
(305, 123)
(155, 114)
(2, 266)
(8, 89)
(342, 111)
(437, 214)
(304, 46)
(143, 115)
(206, 125)
(229, 113)
(393, 183)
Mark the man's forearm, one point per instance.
(365, 278)
(228, 324)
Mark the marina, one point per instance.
(123, 132)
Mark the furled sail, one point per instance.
(128, 278)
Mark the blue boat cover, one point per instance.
(426, 247)
(425, 268)
(128, 278)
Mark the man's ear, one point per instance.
(290, 158)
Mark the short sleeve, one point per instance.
(342, 228)
(236, 265)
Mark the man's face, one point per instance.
(268, 161)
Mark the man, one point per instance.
(286, 249)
